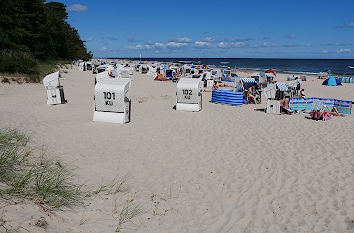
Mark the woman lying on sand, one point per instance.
(334, 112)
(323, 115)
(216, 86)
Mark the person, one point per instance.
(253, 92)
(215, 86)
(302, 93)
(334, 112)
(284, 105)
(271, 80)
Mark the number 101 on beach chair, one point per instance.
(189, 94)
(112, 103)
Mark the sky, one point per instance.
(212, 29)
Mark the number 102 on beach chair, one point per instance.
(189, 94)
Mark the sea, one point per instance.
(300, 66)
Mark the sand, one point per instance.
(224, 169)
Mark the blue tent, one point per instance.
(331, 81)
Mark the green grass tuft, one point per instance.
(118, 184)
(127, 213)
(39, 178)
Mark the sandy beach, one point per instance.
(224, 169)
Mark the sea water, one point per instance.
(301, 66)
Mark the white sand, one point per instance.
(224, 169)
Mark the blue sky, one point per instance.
(225, 28)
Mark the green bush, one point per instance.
(18, 62)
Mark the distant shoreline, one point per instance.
(282, 65)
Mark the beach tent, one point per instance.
(160, 77)
(332, 81)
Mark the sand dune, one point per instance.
(224, 169)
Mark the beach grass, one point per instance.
(127, 213)
(40, 178)
(118, 184)
(27, 173)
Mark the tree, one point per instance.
(41, 29)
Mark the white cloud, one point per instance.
(201, 44)
(265, 44)
(89, 39)
(222, 45)
(77, 8)
(159, 45)
(238, 39)
(183, 40)
(349, 25)
(149, 45)
(208, 39)
(104, 49)
(344, 51)
(176, 44)
(225, 45)
(324, 51)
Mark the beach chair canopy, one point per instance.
(51, 80)
(269, 75)
(247, 82)
(189, 91)
(283, 86)
(118, 87)
(255, 75)
(271, 72)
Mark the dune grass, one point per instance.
(118, 184)
(126, 213)
(39, 178)
(26, 174)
